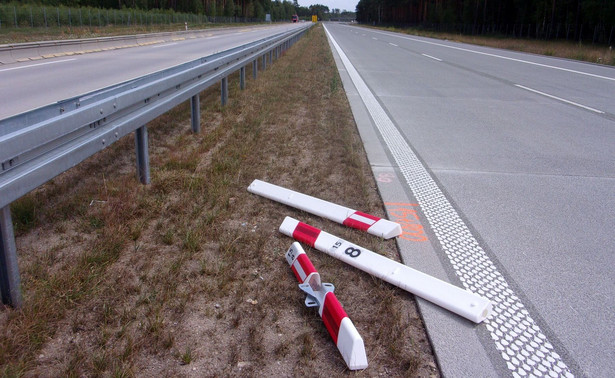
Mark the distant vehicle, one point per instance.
(295, 18)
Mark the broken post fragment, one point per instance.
(455, 299)
(340, 327)
(343, 215)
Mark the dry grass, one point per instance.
(561, 49)
(187, 276)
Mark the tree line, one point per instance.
(570, 19)
(244, 9)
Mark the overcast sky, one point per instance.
(348, 5)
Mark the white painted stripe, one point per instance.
(38, 64)
(432, 57)
(165, 45)
(299, 270)
(499, 56)
(517, 337)
(559, 99)
(392, 44)
(362, 219)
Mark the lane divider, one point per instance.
(397, 35)
(559, 99)
(337, 213)
(432, 57)
(455, 299)
(341, 329)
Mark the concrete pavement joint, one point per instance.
(517, 337)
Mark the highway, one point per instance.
(500, 166)
(503, 163)
(29, 85)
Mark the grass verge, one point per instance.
(187, 276)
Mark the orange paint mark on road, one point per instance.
(407, 217)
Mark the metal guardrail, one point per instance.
(40, 144)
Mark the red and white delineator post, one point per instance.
(337, 213)
(455, 299)
(340, 327)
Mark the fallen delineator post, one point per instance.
(340, 327)
(455, 299)
(337, 213)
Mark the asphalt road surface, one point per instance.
(29, 85)
(501, 167)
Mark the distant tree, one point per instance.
(322, 11)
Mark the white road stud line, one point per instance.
(520, 341)
(455, 299)
(337, 213)
(340, 327)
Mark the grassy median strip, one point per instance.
(187, 276)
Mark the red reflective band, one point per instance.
(304, 269)
(306, 234)
(332, 315)
(359, 224)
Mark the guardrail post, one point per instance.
(142, 155)
(10, 283)
(195, 113)
(255, 69)
(264, 62)
(224, 90)
(242, 78)
(270, 56)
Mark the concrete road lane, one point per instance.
(29, 85)
(508, 161)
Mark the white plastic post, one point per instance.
(337, 213)
(455, 299)
(340, 327)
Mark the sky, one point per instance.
(348, 5)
